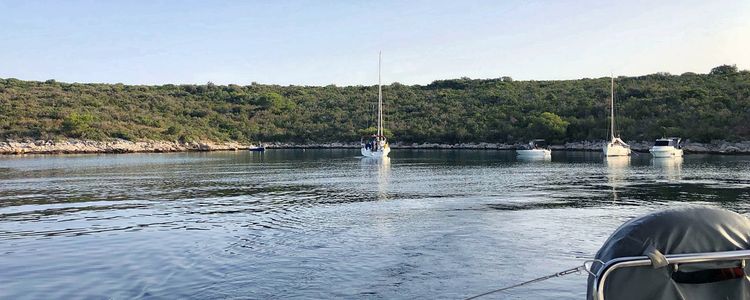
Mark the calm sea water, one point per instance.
(327, 224)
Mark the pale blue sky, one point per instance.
(336, 42)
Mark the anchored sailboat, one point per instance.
(615, 146)
(376, 146)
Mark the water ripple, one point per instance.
(323, 224)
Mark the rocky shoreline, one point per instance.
(717, 147)
(113, 146)
(123, 146)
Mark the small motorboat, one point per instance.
(685, 253)
(537, 149)
(667, 147)
(256, 148)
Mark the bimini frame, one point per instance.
(600, 279)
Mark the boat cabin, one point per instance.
(374, 142)
(537, 144)
(665, 142)
(620, 142)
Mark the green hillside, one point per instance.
(701, 107)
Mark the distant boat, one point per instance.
(256, 148)
(376, 146)
(616, 146)
(667, 147)
(535, 149)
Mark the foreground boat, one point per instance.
(376, 146)
(535, 149)
(616, 146)
(684, 253)
(666, 147)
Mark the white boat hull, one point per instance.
(611, 149)
(665, 151)
(534, 153)
(383, 152)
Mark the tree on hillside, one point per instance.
(272, 100)
(369, 131)
(548, 126)
(78, 125)
(700, 107)
(724, 70)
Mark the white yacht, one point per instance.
(615, 146)
(666, 147)
(376, 146)
(535, 149)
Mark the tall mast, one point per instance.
(612, 110)
(380, 100)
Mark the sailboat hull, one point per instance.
(375, 154)
(611, 149)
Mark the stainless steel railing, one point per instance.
(641, 261)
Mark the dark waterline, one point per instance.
(325, 224)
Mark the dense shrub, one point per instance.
(697, 106)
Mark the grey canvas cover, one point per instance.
(676, 231)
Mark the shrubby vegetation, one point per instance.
(701, 107)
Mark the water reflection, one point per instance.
(379, 168)
(617, 162)
(616, 169)
(276, 225)
(670, 166)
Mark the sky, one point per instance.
(321, 42)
